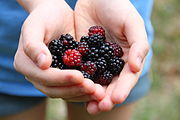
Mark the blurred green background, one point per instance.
(163, 101)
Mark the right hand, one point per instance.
(46, 22)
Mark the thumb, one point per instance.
(137, 54)
(32, 36)
(137, 38)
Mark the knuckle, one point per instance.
(147, 47)
(27, 47)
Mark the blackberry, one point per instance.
(72, 58)
(89, 67)
(61, 65)
(101, 65)
(56, 47)
(83, 48)
(105, 78)
(106, 51)
(68, 42)
(92, 55)
(115, 65)
(55, 61)
(96, 30)
(96, 40)
(86, 75)
(84, 39)
(117, 50)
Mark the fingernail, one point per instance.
(40, 59)
(139, 61)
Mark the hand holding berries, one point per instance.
(97, 59)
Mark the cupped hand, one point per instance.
(124, 26)
(46, 22)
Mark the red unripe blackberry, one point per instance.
(117, 49)
(72, 58)
(83, 48)
(89, 67)
(96, 30)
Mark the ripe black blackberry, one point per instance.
(106, 51)
(68, 42)
(84, 39)
(115, 65)
(61, 65)
(83, 48)
(56, 47)
(56, 62)
(86, 75)
(96, 40)
(101, 64)
(92, 55)
(105, 78)
(117, 49)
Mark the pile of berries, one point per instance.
(97, 59)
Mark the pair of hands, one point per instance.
(50, 18)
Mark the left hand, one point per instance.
(124, 26)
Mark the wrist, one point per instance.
(30, 5)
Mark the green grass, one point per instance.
(162, 103)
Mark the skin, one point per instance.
(44, 24)
(123, 25)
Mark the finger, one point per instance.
(124, 84)
(136, 35)
(92, 108)
(106, 103)
(99, 92)
(67, 92)
(33, 35)
(83, 98)
(48, 77)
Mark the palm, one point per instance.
(121, 27)
(86, 15)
